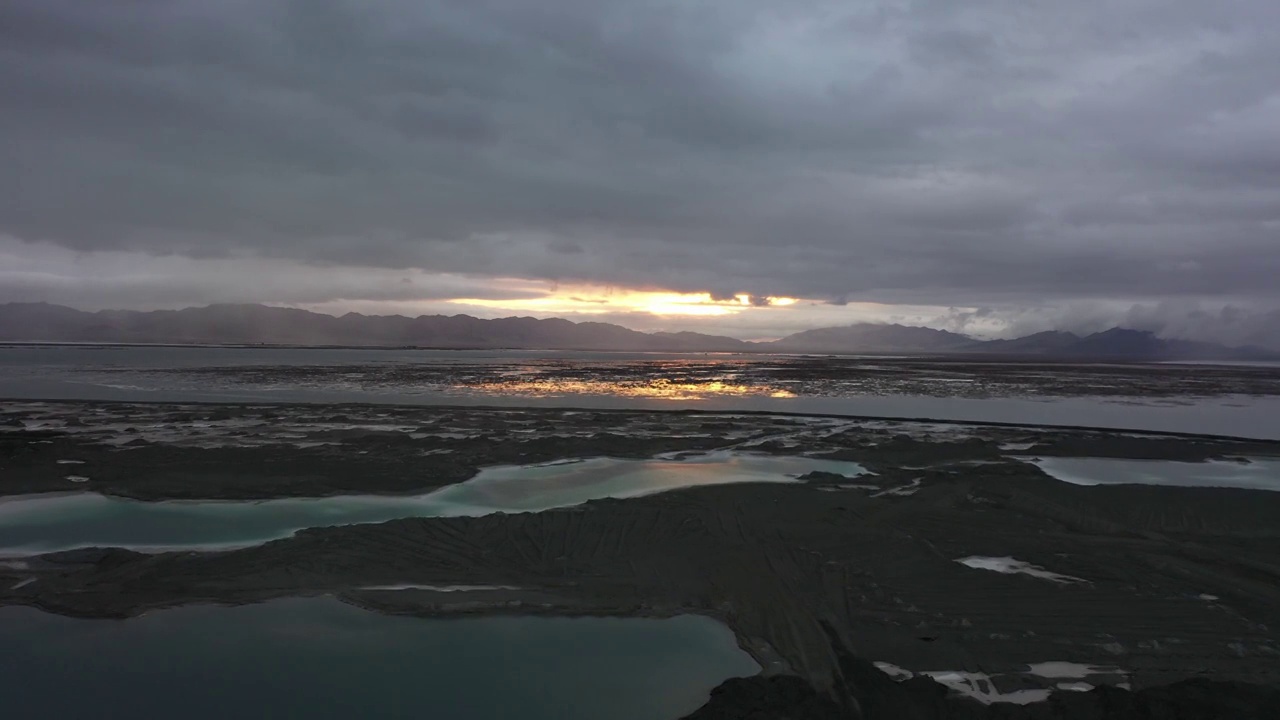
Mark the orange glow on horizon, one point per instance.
(596, 301)
(657, 389)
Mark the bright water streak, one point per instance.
(46, 523)
(1254, 475)
(319, 658)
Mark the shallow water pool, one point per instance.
(46, 523)
(320, 658)
(1253, 475)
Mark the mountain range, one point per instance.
(264, 325)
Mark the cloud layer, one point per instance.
(989, 154)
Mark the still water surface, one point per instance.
(1256, 474)
(46, 523)
(718, 382)
(319, 658)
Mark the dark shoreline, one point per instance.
(811, 577)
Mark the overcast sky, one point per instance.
(994, 166)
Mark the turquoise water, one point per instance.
(1254, 475)
(319, 658)
(46, 523)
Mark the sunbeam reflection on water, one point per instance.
(658, 388)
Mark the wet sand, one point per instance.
(820, 579)
(1237, 400)
(690, 376)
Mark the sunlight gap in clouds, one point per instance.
(604, 301)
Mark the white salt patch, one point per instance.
(135, 388)
(894, 671)
(70, 462)
(1018, 446)
(974, 685)
(15, 564)
(978, 686)
(901, 490)
(1075, 687)
(77, 478)
(1010, 566)
(1205, 596)
(23, 583)
(442, 588)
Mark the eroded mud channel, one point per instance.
(872, 568)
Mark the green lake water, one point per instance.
(46, 523)
(320, 658)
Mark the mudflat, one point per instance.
(955, 579)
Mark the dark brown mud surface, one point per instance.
(1171, 592)
(190, 451)
(705, 377)
(782, 376)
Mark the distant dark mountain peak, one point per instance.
(1120, 342)
(1119, 334)
(873, 338)
(1051, 335)
(240, 324)
(1128, 344)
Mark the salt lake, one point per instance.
(45, 523)
(320, 658)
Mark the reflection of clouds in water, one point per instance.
(659, 388)
(1253, 474)
(519, 488)
(304, 657)
(47, 523)
(525, 488)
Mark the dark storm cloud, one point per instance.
(44, 272)
(918, 151)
